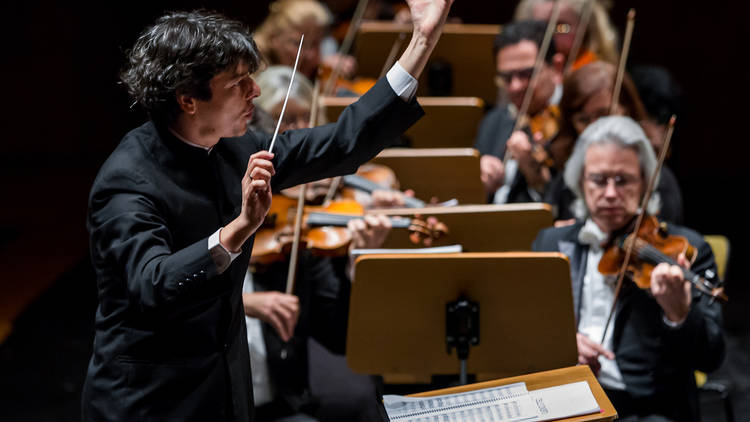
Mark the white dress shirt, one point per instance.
(596, 301)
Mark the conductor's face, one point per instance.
(230, 108)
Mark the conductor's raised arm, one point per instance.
(428, 17)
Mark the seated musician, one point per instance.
(598, 40)
(515, 51)
(296, 341)
(587, 95)
(279, 35)
(658, 337)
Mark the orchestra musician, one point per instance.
(515, 51)
(587, 95)
(600, 36)
(173, 211)
(659, 336)
(279, 34)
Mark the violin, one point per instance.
(652, 245)
(356, 86)
(544, 127)
(369, 178)
(324, 229)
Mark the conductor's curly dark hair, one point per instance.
(180, 54)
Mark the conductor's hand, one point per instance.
(428, 17)
(589, 352)
(492, 172)
(278, 309)
(670, 290)
(256, 201)
(256, 189)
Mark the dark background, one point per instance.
(65, 113)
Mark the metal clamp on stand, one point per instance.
(461, 330)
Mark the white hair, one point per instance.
(273, 83)
(619, 130)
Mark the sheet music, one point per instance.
(564, 401)
(506, 403)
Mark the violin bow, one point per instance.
(644, 203)
(583, 24)
(623, 60)
(359, 12)
(346, 44)
(294, 255)
(537, 70)
(288, 90)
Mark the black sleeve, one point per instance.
(701, 334)
(494, 130)
(128, 231)
(364, 128)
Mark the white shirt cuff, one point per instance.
(214, 245)
(671, 324)
(403, 84)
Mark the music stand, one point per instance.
(397, 317)
(449, 122)
(445, 173)
(479, 228)
(465, 48)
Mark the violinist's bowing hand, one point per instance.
(346, 64)
(519, 145)
(256, 201)
(370, 231)
(589, 352)
(492, 172)
(278, 309)
(670, 290)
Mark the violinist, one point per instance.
(587, 95)
(660, 335)
(515, 50)
(279, 34)
(598, 42)
(174, 210)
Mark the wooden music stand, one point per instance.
(479, 228)
(466, 47)
(445, 173)
(449, 122)
(546, 379)
(397, 317)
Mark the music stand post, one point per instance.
(461, 331)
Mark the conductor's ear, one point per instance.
(187, 103)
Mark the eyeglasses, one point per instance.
(507, 77)
(563, 28)
(621, 181)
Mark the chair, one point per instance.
(720, 247)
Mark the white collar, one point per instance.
(591, 234)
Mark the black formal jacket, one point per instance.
(656, 361)
(170, 339)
